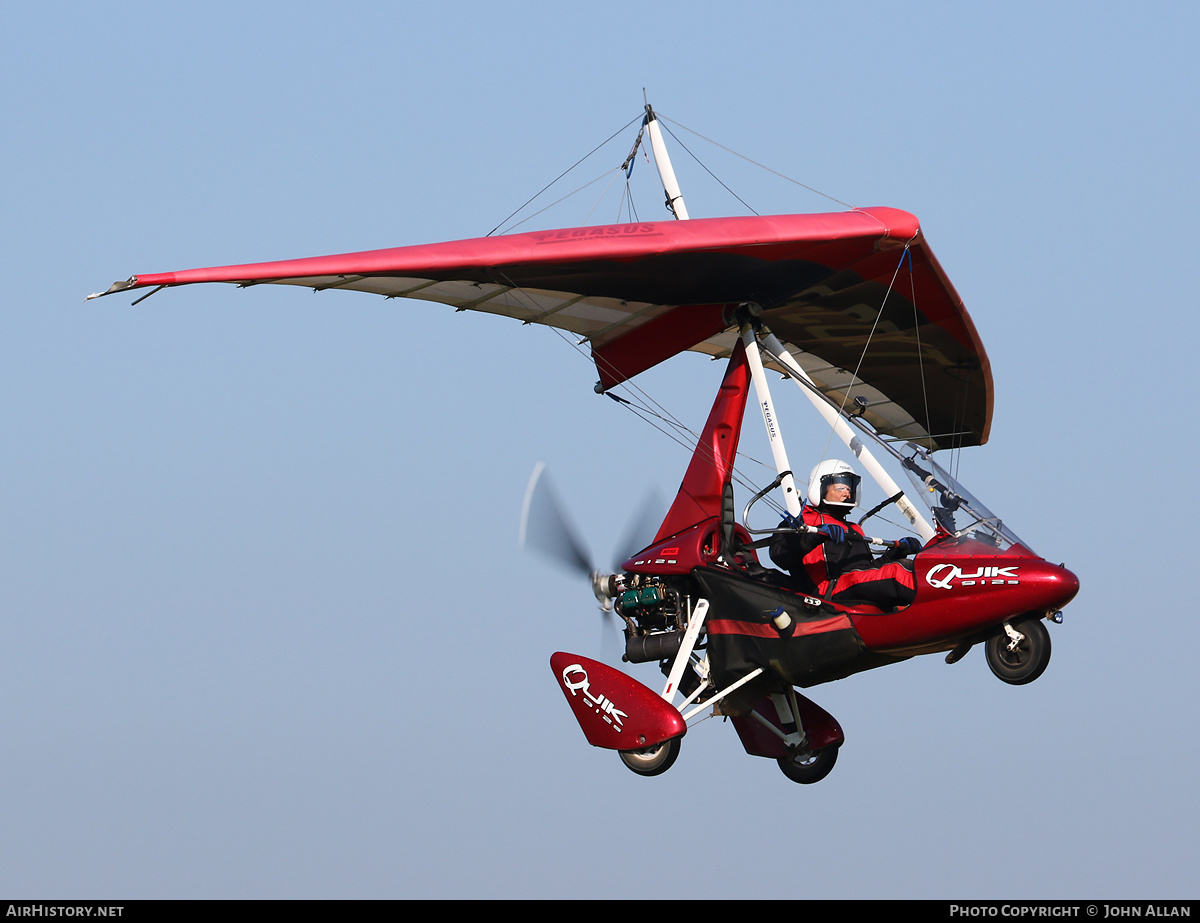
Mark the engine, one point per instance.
(653, 609)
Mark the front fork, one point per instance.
(1014, 637)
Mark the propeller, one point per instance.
(546, 528)
(640, 532)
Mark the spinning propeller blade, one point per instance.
(641, 530)
(545, 527)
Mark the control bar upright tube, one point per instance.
(778, 451)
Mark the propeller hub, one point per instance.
(606, 587)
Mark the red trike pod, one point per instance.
(615, 710)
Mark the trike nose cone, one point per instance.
(1061, 587)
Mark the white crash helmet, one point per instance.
(832, 471)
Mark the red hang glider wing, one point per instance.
(641, 293)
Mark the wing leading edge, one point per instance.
(641, 293)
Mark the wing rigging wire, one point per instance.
(674, 428)
(528, 218)
(710, 172)
(866, 346)
(754, 162)
(862, 357)
(627, 196)
(626, 199)
(955, 451)
(912, 282)
(599, 199)
(957, 421)
(666, 416)
(628, 193)
(956, 454)
(561, 175)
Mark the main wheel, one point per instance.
(1027, 661)
(652, 761)
(809, 767)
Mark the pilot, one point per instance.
(836, 558)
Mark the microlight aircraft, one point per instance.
(854, 308)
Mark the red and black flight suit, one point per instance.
(844, 570)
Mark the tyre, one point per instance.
(1025, 662)
(652, 761)
(809, 767)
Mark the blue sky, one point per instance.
(264, 628)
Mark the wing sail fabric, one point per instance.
(641, 293)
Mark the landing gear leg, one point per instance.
(801, 764)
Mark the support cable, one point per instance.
(565, 172)
(757, 164)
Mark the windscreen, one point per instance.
(955, 511)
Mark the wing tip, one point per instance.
(124, 286)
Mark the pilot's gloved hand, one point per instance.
(832, 532)
(790, 522)
(908, 545)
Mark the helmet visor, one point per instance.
(840, 489)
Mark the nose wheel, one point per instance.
(1021, 653)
